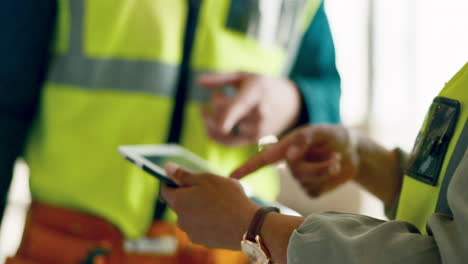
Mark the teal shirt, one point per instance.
(315, 73)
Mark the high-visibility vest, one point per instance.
(112, 81)
(421, 197)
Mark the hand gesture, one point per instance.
(320, 157)
(262, 105)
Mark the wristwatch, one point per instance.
(252, 244)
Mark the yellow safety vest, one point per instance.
(421, 196)
(112, 80)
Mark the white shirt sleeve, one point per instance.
(348, 238)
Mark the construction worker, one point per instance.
(425, 193)
(79, 78)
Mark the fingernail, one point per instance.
(171, 168)
(226, 128)
(293, 152)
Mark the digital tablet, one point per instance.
(152, 158)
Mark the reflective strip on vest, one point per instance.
(131, 75)
(418, 200)
(457, 156)
(111, 83)
(115, 74)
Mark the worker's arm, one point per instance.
(347, 238)
(208, 205)
(26, 28)
(267, 105)
(315, 73)
(322, 157)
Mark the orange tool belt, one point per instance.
(55, 235)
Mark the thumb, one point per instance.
(248, 97)
(181, 176)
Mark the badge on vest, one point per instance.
(272, 22)
(431, 145)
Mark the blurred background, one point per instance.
(393, 57)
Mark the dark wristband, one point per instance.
(257, 222)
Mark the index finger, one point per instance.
(270, 155)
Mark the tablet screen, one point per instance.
(180, 160)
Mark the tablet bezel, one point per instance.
(136, 154)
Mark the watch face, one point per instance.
(254, 252)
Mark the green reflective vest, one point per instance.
(112, 81)
(423, 196)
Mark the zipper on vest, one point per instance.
(183, 84)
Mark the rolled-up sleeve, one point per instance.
(315, 73)
(346, 238)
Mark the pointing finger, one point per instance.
(270, 155)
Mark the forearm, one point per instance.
(379, 169)
(331, 237)
(276, 232)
